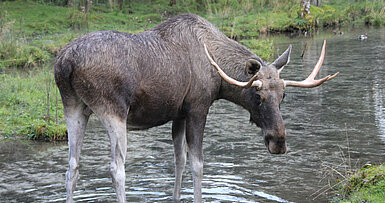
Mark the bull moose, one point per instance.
(168, 73)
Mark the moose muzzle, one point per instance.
(275, 141)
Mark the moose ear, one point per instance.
(283, 59)
(252, 66)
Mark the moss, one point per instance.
(45, 131)
(365, 185)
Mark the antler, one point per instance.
(230, 80)
(309, 81)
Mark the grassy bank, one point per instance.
(364, 185)
(31, 33)
(30, 106)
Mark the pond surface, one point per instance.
(238, 166)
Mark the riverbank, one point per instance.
(30, 106)
(32, 33)
(366, 184)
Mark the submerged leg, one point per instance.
(194, 137)
(116, 129)
(179, 139)
(76, 120)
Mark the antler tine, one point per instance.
(309, 82)
(317, 67)
(250, 83)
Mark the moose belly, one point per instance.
(149, 114)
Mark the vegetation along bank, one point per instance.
(366, 184)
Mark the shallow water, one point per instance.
(237, 164)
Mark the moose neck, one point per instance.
(229, 54)
(232, 57)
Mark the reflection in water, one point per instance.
(237, 164)
(379, 107)
(379, 92)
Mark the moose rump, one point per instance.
(111, 72)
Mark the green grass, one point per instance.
(365, 185)
(30, 105)
(263, 47)
(31, 33)
(17, 53)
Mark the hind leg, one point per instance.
(76, 120)
(179, 140)
(116, 129)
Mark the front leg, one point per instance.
(195, 124)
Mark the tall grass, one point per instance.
(30, 105)
(15, 51)
(347, 183)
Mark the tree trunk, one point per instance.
(68, 3)
(120, 2)
(305, 5)
(111, 2)
(87, 6)
(316, 2)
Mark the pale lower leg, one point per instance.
(179, 140)
(196, 162)
(116, 129)
(76, 124)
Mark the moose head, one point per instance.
(266, 91)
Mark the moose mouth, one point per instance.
(275, 145)
(276, 148)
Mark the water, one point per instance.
(237, 164)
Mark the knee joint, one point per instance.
(73, 165)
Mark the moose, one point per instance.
(168, 73)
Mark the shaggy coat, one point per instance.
(138, 81)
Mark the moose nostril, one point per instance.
(281, 143)
(267, 140)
